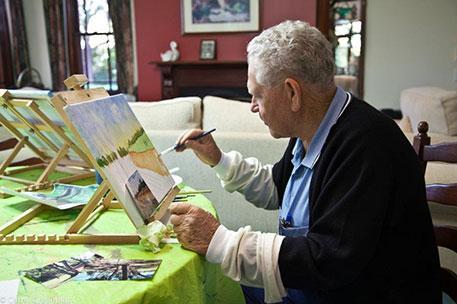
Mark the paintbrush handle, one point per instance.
(194, 192)
(197, 137)
(177, 146)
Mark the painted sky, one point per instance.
(104, 124)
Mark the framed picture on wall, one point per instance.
(208, 49)
(219, 16)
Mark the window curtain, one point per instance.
(119, 11)
(61, 19)
(55, 29)
(19, 48)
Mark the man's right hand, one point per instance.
(205, 148)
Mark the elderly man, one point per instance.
(354, 225)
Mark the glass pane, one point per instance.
(342, 29)
(356, 44)
(343, 42)
(98, 50)
(99, 60)
(94, 16)
(341, 59)
(356, 26)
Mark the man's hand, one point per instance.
(205, 148)
(194, 226)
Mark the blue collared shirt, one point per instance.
(294, 211)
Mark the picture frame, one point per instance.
(213, 17)
(208, 50)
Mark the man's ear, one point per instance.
(294, 93)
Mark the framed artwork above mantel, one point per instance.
(222, 16)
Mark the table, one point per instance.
(183, 276)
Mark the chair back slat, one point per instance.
(445, 194)
(445, 152)
(446, 236)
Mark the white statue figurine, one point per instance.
(172, 54)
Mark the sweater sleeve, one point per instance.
(350, 194)
(250, 258)
(249, 177)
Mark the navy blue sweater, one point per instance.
(370, 238)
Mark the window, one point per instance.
(98, 54)
(348, 29)
(343, 22)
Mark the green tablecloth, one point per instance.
(183, 276)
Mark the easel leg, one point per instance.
(13, 154)
(52, 165)
(89, 207)
(21, 219)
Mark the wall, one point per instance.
(409, 43)
(158, 22)
(37, 39)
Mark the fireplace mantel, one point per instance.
(199, 78)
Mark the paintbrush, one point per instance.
(194, 192)
(177, 146)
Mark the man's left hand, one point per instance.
(194, 226)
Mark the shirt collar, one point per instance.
(331, 116)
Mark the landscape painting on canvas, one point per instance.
(124, 154)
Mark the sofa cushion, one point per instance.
(230, 115)
(436, 106)
(173, 114)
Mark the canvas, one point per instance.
(123, 153)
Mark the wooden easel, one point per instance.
(100, 201)
(54, 156)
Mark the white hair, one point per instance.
(291, 48)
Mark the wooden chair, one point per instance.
(445, 194)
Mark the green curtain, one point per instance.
(119, 11)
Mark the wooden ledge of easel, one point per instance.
(63, 239)
(162, 209)
(76, 81)
(70, 97)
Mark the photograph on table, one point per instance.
(55, 274)
(92, 267)
(118, 270)
(124, 155)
